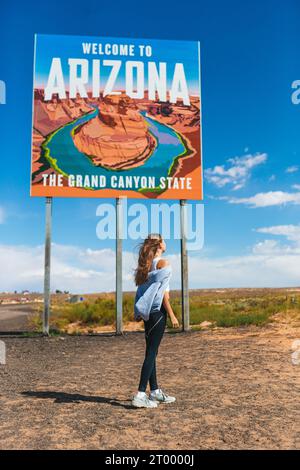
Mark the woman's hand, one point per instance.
(175, 322)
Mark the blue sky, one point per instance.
(251, 145)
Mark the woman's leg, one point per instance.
(154, 330)
(153, 378)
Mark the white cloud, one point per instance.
(271, 198)
(2, 215)
(273, 247)
(292, 169)
(238, 170)
(263, 268)
(296, 186)
(291, 232)
(72, 268)
(269, 263)
(237, 186)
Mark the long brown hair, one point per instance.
(147, 252)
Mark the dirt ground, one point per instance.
(235, 389)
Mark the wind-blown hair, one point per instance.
(147, 252)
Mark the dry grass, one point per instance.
(221, 308)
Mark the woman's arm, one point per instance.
(166, 300)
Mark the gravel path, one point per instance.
(235, 389)
(15, 318)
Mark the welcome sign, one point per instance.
(116, 116)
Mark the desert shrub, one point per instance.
(224, 309)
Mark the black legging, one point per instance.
(154, 330)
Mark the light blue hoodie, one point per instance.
(149, 296)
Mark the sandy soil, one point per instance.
(235, 389)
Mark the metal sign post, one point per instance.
(46, 313)
(119, 296)
(184, 268)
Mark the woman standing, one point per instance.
(153, 295)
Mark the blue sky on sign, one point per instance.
(66, 46)
(251, 146)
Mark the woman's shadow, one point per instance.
(62, 397)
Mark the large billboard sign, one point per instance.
(116, 116)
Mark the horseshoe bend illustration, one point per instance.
(114, 132)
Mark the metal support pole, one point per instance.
(46, 313)
(119, 296)
(184, 268)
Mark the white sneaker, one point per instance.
(161, 397)
(143, 402)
